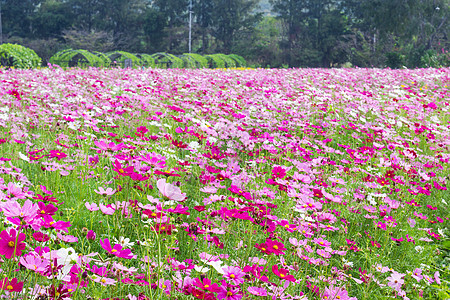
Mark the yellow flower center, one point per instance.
(42, 211)
(121, 171)
(206, 286)
(275, 247)
(103, 280)
(229, 294)
(232, 276)
(9, 287)
(11, 244)
(113, 250)
(281, 275)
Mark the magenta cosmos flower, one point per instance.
(11, 285)
(170, 191)
(116, 250)
(11, 243)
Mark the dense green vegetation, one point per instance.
(84, 58)
(18, 56)
(276, 33)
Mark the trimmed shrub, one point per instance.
(239, 60)
(78, 58)
(167, 60)
(188, 62)
(121, 56)
(147, 60)
(229, 62)
(12, 55)
(200, 61)
(103, 57)
(215, 61)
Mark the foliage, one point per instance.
(79, 58)
(166, 60)
(239, 60)
(189, 62)
(119, 57)
(215, 61)
(395, 60)
(201, 62)
(12, 55)
(146, 59)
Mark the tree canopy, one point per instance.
(295, 33)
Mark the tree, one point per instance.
(51, 18)
(175, 13)
(232, 18)
(17, 16)
(203, 12)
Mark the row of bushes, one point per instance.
(18, 56)
(83, 58)
(21, 57)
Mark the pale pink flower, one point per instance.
(170, 191)
(91, 207)
(108, 192)
(107, 210)
(34, 263)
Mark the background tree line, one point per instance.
(294, 33)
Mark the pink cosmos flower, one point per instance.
(91, 207)
(417, 274)
(91, 235)
(322, 242)
(15, 192)
(122, 171)
(12, 244)
(108, 192)
(107, 210)
(104, 280)
(34, 263)
(396, 280)
(257, 291)
(170, 191)
(57, 154)
(228, 293)
(333, 292)
(206, 284)
(165, 285)
(234, 275)
(155, 160)
(109, 146)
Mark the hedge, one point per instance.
(201, 61)
(240, 61)
(167, 60)
(12, 55)
(147, 60)
(79, 58)
(121, 56)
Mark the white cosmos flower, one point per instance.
(125, 242)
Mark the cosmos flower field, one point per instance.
(224, 184)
